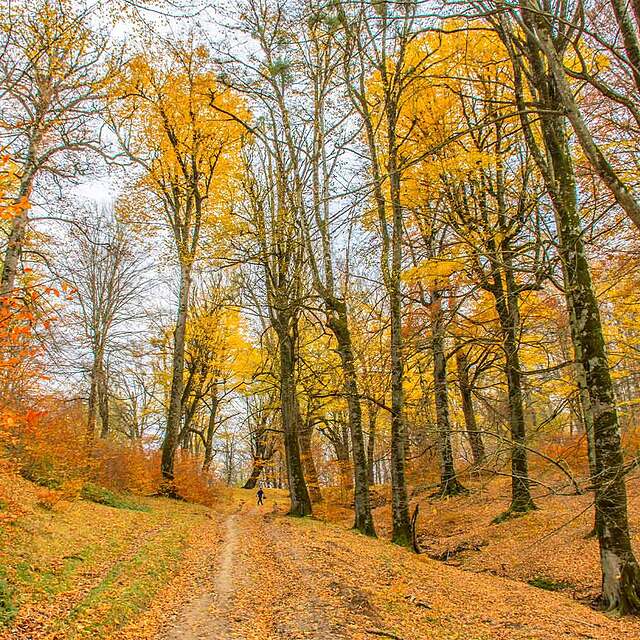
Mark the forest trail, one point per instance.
(277, 578)
(206, 617)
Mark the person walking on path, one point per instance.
(260, 496)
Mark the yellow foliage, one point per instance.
(185, 129)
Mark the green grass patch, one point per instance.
(100, 495)
(50, 582)
(42, 473)
(128, 588)
(549, 584)
(8, 606)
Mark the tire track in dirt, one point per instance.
(206, 617)
(265, 588)
(40, 620)
(281, 578)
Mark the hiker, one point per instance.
(260, 496)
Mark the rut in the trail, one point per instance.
(260, 589)
(206, 617)
(276, 578)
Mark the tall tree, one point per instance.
(279, 253)
(102, 266)
(319, 61)
(167, 110)
(374, 39)
(550, 146)
(51, 78)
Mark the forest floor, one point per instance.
(552, 548)
(179, 571)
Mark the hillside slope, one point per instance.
(247, 572)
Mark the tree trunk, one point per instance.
(466, 395)
(310, 471)
(449, 483)
(338, 323)
(344, 466)
(399, 499)
(92, 402)
(506, 306)
(564, 96)
(16, 238)
(103, 399)
(174, 416)
(371, 444)
(211, 430)
(298, 492)
(620, 571)
(252, 480)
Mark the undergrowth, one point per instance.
(8, 608)
(100, 495)
(549, 584)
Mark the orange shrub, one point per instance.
(50, 445)
(126, 467)
(49, 498)
(191, 483)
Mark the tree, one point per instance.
(167, 110)
(52, 75)
(279, 252)
(553, 156)
(555, 29)
(482, 183)
(107, 276)
(320, 58)
(373, 41)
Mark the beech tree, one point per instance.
(373, 40)
(554, 158)
(52, 76)
(167, 115)
(107, 275)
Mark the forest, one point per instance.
(319, 319)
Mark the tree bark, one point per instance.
(298, 492)
(449, 483)
(629, 37)
(252, 480)
(211, 429)
(103, 399)
(521, 500)
(338, 323)
(19, 223)
(174, 415)
(565, 97)
(308, 463)
(12, 253)
(620, 571)
(401, 533)
(371, 444)
(344, 466)
(92, 401)
(466, 394)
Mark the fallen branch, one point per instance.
(414, 527)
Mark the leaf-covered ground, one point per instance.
(247, 572)
(552, 547)
(84, 569)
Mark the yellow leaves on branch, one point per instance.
(185, 129)
(435, 273)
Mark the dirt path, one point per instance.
(206, 617)
(277, 578)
